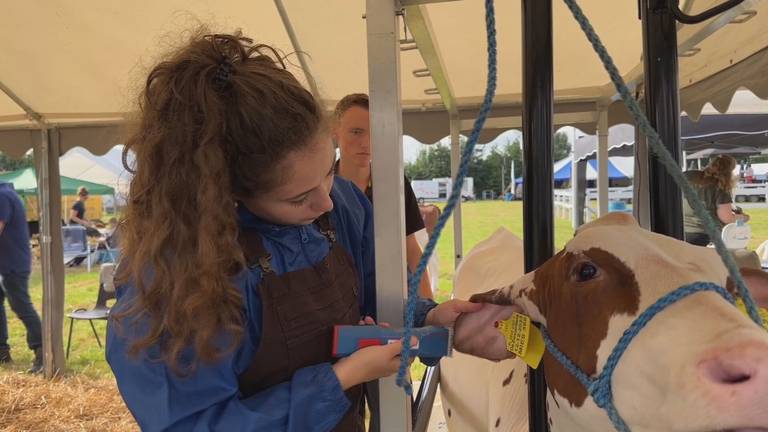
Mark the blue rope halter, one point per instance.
(600, 387)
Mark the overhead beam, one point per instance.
(634, 77)
(516, 122)
(297, 48)
(418, 22)
(33, 115)
(421, 2)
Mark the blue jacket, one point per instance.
(15, 255)
(209, 399)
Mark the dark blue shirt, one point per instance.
(14, 238)
(209, 399)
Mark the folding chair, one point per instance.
(75, 244)
(100, 311)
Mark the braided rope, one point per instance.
(415, 278)
(600, 388)
(665, 158)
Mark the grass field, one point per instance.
(480, 219)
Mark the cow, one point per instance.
(700, 365)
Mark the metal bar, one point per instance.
(297, 48)
(421, 2)
(663, 110)
(707, 14)
(387, 175)
(425, 399)
(640, 197)
(49, 204)
(33, 115)
(635, 76)
(581, 192)
(602, 163)
(418, 22)
(515, 122)
(538, 134)
(458, 236)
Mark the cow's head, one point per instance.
(700, 365)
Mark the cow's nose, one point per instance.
(737, 378)
(743, 365)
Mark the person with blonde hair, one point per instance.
(714, 185)
(240, 252)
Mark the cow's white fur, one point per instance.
(656, 385)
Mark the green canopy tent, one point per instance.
(25, 183)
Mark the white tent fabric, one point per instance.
(69, 71)
(108, 170)
(102, 50)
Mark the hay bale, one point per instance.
(63, 404)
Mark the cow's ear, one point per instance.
(496, 296)
(757, 282)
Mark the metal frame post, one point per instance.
(387, 175)
(458, 241)
(662, 107)
(538, 134)
(49, 206)
(602, 163)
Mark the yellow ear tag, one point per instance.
(523, 339)
(762, 311)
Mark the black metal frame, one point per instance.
(707, 14)
(662, 107)
(538, 133)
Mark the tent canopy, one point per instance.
(106, 170)
(743, 128)
(89, 98)
(25, 183)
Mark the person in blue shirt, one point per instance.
(241, 251)
(15, 265)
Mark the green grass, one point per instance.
(480, 220)
(85, 356)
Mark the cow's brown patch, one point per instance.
(508, 379)
(578, 311)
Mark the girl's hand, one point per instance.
(445, 314)
(369, 363)
(366, 320)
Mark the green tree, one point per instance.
(561, 146)
(432, 162)
(8, 164)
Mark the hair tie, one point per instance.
(222, 78)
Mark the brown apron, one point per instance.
(299, 310)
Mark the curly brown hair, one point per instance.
(215, 120)
(719, 172)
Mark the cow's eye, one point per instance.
(586, 271)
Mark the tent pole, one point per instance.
(458, 241)
(49, 204)
(663, 110)
(602, 163)
(394, 406)
(538, 134)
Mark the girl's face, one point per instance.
(304, 193)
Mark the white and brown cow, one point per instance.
(699, 366)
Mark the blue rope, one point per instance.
(600, 388)
(666, 158)
(466, 156)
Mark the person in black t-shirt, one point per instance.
(351, 133)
